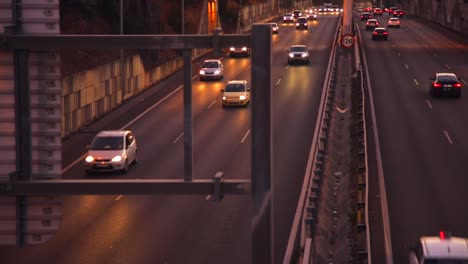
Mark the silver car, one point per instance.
(211, 69)
(111, 150)
(298, 54)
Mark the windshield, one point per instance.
(298, 49)
(209, 64)
(107, 143)
(447, 79)
(237, 87)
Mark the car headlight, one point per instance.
(224, 97)
(217, 72)
(242, 97)
(232, 49)
(202, 72)
(297, 24)
(304, 55)
(117, 158)
(291, 55)
(244, 49)
(89, 159)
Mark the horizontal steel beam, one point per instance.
(48, 42)
(131, 186)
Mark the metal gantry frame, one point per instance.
(259, 186)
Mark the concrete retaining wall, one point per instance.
(452, 14)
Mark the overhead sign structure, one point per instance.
(347, 40)
(33, 219)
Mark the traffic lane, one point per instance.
(405, 103)
(74, 144)
(296, 98)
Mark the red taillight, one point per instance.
(458, 85)
(437, 85)
(385, 33)
(362, 16)
(375, 33)
(442, 235)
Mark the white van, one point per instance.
(443, 249)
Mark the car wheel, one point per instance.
(458, 93)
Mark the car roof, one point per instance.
(112, 133)
(446, 74)
(380, 28)
(453, 247)
(298, 46)
(372, 20)
(302, 17)
(237, 82)
(212, 60)
(394, 18)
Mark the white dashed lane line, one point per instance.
(448, 137)
(464, 82)
(212, 103)
(399, 54)
(406, 66)
(429, 104)
(177, 139)
(279, 80)
(119, 197)
(245, 136)
(434, 54)
(447, 66)
(416, 82)
(287, 67)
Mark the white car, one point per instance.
(443, 249)
(288, 18)
(274, 28)
(393, 22)
(298, 54)
(111, 150)
(236, 92)
(211, 69)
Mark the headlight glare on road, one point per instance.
(89, 159)
(242, 97)
(117, 158)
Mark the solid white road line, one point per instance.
(212, 104)
(416, 82)
(429, 104)
(464, 82)
(447, 66)
(245, 136)
(406, 66)
(177, 139)
(279, 80)
(448, 137)
(119, 197)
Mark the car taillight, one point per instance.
(362, 16)
(375, 33)
(437, 85)
(385, 33)
(458, 85)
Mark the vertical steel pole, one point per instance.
(23, 135)
(188, 117)
(183, 19)
(122, 66)
(262, 191)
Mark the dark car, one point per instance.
(380, 33)
(445, 83)
(392, 9)
(297, 13)
(365, 16)
(398, 13)
(239, 52)
(301, 23)
(372, 24)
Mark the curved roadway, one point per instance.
(192, 229)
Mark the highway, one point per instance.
(423, 140)
(193, 229)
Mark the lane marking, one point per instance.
(464, 82)
(448, 137)
(434, 54)
(119, 197)
(245, 136)
(208, 197)
(429, 104)
(279, 80)
(406, 66)
(212, 104)
(398, 54)
(177, 139)
(416, 82)
(287, 67)
(447, 66)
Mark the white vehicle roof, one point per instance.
(446, 74)
(394, 18)
(237, 81)
(112, 133)
(449, 247)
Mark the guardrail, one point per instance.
(302, 228)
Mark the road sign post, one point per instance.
(347, 40)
